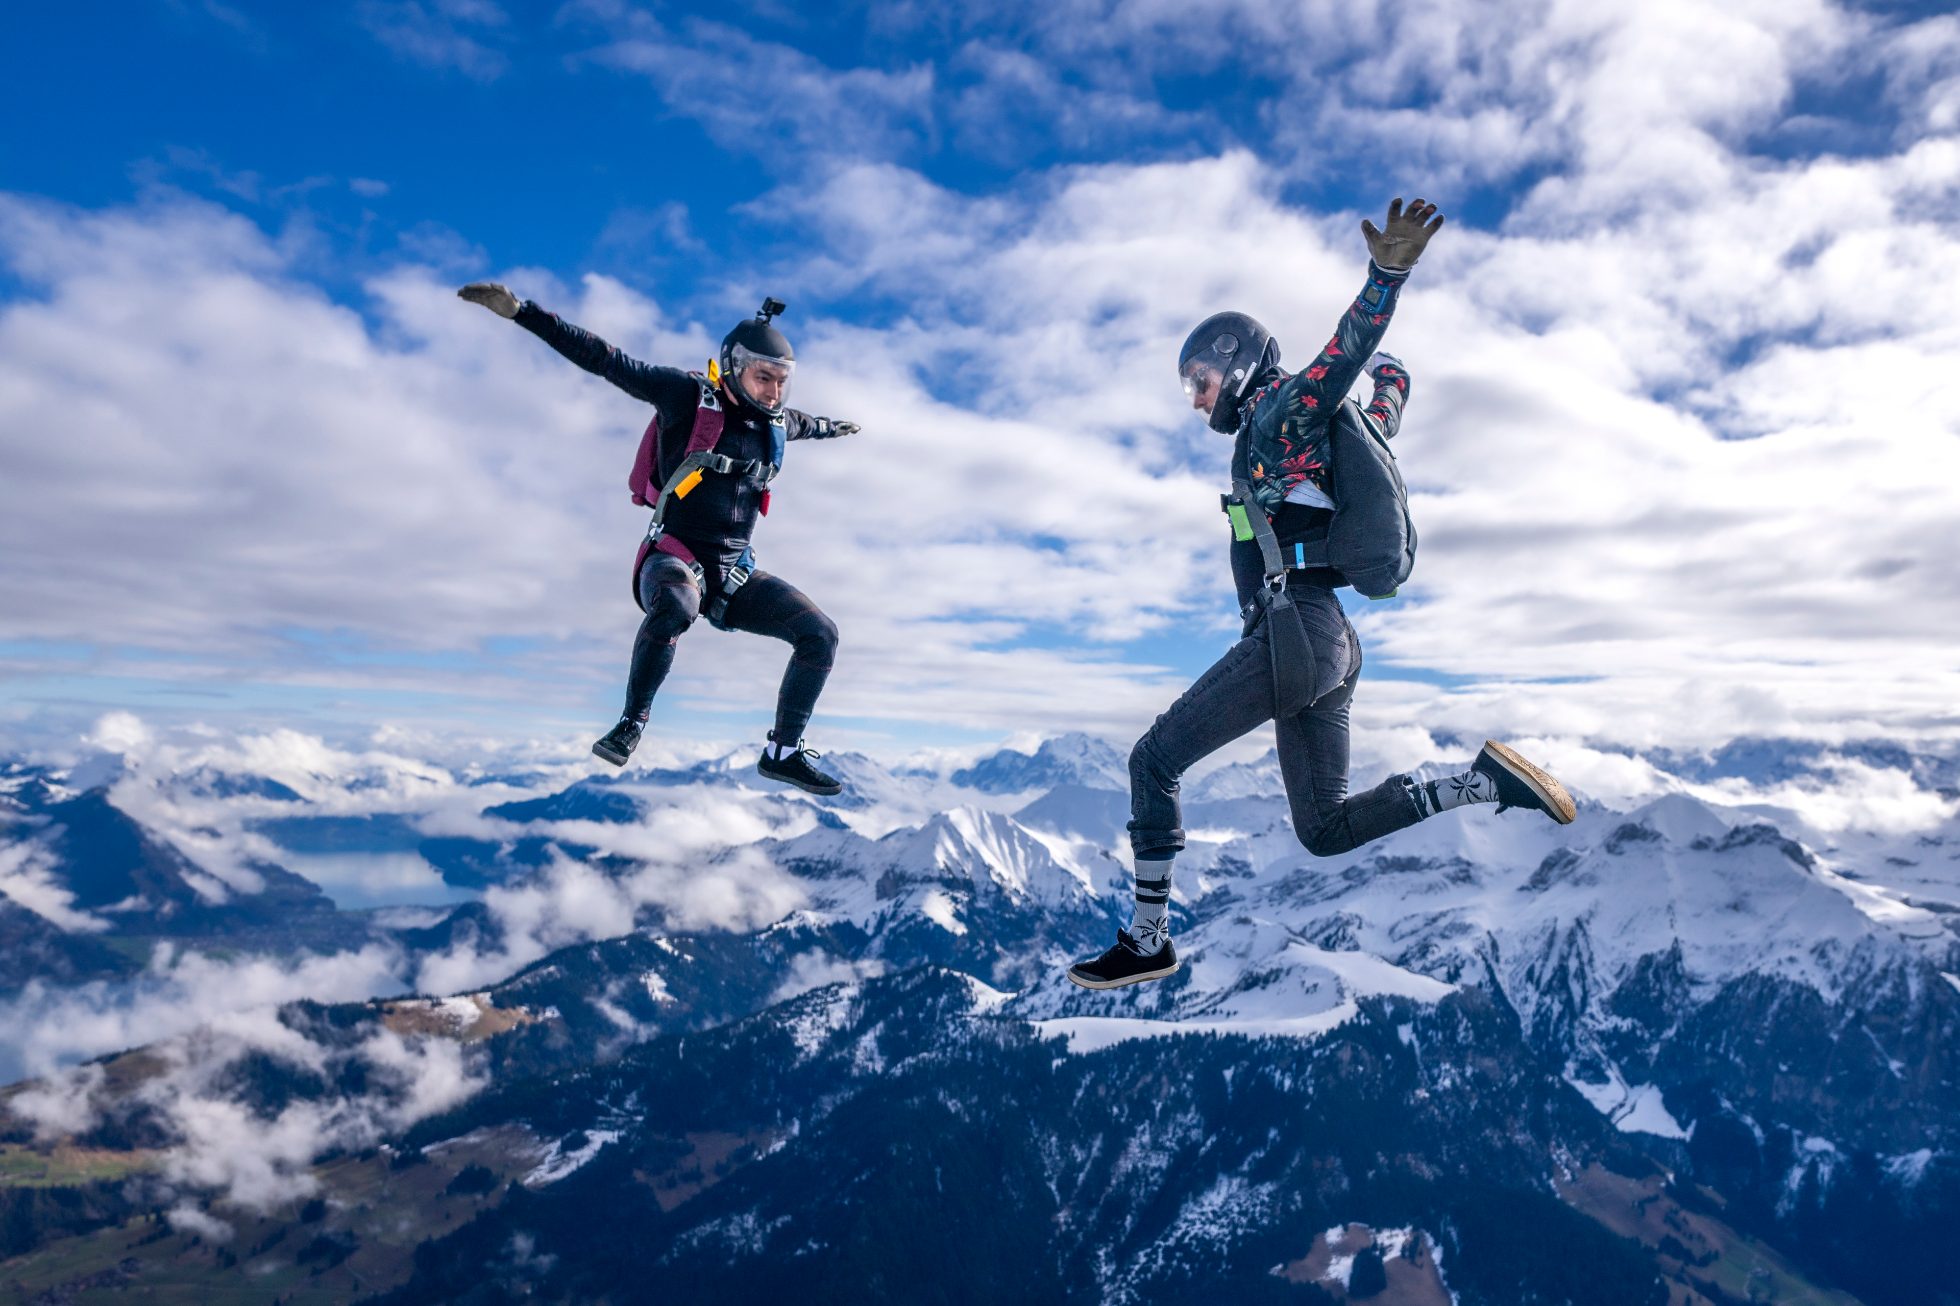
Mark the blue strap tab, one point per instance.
(1299, 553)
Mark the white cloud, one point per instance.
(571, 902)
(47, 1027)
(27, 877)
(63, 1104)
(1848, 794)
(425, 434)
(813, 970)
(770, 99)
(440, 33)
(1601, 554)
(121, 732)
(187, 1217)
(222, 1146)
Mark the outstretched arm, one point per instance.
(643, 381)
(802, 426)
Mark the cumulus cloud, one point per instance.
(570, 902)
(330, 779)
(813, 970)
(47, 1027)
(62, 1104)
(1844, 793)
(219, 1145)
(397, 429)
(27, 877)
(188, 1217)
(1680, 439)
(259, 1163)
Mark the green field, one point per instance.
(66, 1167)
(361, 1239)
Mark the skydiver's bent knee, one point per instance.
(1328, 839)
(669, 596)
(1359, 818)
(815, 640)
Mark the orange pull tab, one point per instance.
(692, 479)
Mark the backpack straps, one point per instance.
(699, 459)
(1293, 660)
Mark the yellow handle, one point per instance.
(693, 479)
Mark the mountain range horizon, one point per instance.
(249, 971)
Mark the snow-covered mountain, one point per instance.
(1065, 759)
(1758, 991)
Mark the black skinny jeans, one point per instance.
(766, 605)
(1236, 696)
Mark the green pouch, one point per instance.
(1241, 524)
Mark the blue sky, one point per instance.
(264, 467)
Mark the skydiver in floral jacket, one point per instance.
(1282, 428)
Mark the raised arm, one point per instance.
(1391, 393)
(654, 385)
(1393, 249)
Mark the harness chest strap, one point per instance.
(700, 458)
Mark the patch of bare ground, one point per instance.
(711, 1157)
(1705, 1262)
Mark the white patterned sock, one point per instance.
(1456, 791)
(1150, 925)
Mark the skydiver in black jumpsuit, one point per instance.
(704, 560)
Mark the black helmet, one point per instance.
(756, 342)
(1237, 351)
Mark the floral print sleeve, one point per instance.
(1288, 440)
(1384, 411)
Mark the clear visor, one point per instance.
(1199, 374)
(760, 372)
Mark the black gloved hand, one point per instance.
(1399, 242)
(493, 295)
(829, 427)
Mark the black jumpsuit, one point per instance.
(1283, 441)
(715, 522)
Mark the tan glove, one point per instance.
(492, 295)
(1399, 242)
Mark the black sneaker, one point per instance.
(618, 743)
(794, 769)
(1124, 964)
(1520, 784)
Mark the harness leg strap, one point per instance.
(738, 576)
(1293, 665)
